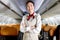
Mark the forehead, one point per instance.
(29, 3)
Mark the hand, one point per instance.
(32, 27)
(24, 24)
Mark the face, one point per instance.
(30, 7)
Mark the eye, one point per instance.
(31, 5)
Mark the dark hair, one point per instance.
(29, 1)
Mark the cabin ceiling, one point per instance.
(12, 4)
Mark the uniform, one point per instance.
(32, 34)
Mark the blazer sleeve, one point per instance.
(22, 28)
(38, 28)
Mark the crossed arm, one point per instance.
(23, 27)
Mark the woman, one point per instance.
(31, 23)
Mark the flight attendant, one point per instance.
(31, 23)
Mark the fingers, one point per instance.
(32, 27)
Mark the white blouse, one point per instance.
(36, 20)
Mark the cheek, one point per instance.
(33, 7)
